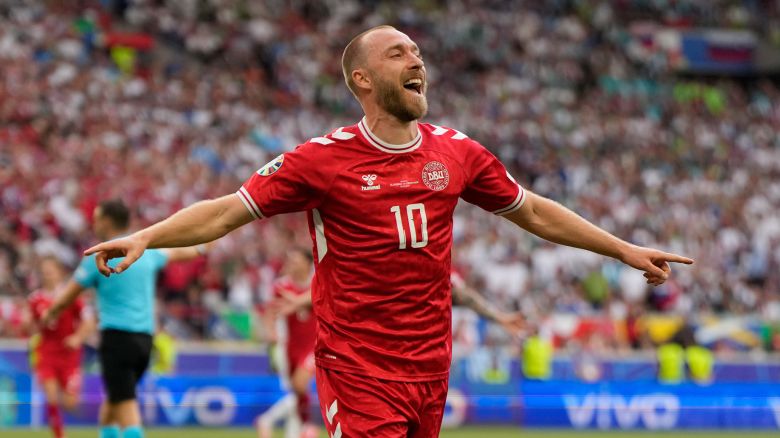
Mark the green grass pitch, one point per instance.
(470, 432)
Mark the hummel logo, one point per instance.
(369, 179)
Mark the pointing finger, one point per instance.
(105, 246)
(669, 257)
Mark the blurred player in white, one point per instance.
(291, 307)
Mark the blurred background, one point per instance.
(656, 119)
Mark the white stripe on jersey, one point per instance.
(321, 140)
(249, 203)
(515, 205)
(319, 234)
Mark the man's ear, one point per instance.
(361, 79)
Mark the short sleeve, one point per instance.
(159, 258)
(489, 185)
(293, 181)
(87, 274)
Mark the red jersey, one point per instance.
(301, 325)
(52, 337)
(380, 218)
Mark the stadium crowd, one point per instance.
(690, 165)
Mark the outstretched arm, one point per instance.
(188, 253)
(556, 223)
(468, 297)
(199, 223)
(65, 299)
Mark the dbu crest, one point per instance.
(435, 176)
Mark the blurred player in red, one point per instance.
(292, 301)
(380, 197)
(58, 352)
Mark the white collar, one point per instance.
(389, 147)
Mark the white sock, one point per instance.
(283, 408)
(293, 426)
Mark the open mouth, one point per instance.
(415, 85)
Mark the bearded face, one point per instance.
(405, 98)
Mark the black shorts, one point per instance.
(124, 358)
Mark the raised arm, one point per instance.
(199, 223)
(556, 223)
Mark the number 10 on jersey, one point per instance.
(417, 242)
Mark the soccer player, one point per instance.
(380, 197)
(125, 307)
(292, 302)
(58, 352)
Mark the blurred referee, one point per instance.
(125, 306)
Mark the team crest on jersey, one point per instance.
(435, 176)
(272, 166)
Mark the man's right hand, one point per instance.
(131, 248)
(201, 222)
(655, 263)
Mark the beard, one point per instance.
(390, 97)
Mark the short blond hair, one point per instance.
(354, 56)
